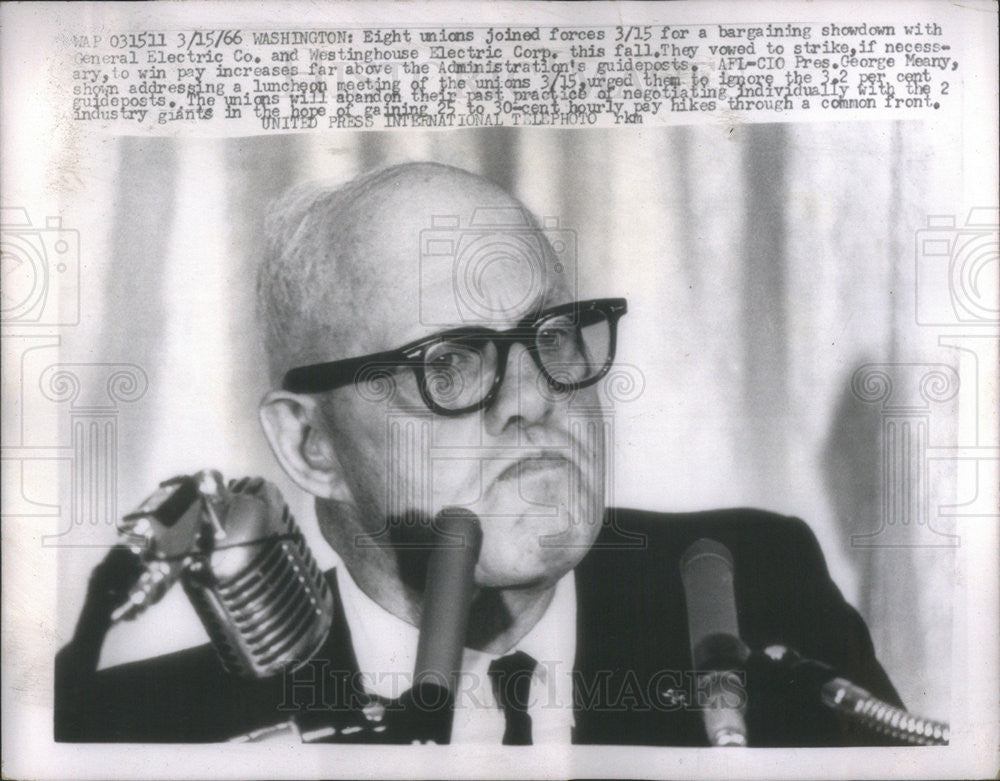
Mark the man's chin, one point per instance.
(519, 575)
(531, 551)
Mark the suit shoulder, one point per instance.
(728, 515)
(737, 525)
(639, 545)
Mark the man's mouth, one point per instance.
(531, 465)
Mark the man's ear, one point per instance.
(300, 439)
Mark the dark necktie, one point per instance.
(511, 678)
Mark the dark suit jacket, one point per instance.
(633, 681)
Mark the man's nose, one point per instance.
(523, 398)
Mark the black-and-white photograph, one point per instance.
(661, 434)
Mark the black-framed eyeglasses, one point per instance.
(460, 370)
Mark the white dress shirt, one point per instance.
(386, 648)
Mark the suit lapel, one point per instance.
(632, 680)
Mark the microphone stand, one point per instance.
(814, 681)
(76, 663)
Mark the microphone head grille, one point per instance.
(276, 609)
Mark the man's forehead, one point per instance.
(511, 280)
(468, 258)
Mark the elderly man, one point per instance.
(428, 350)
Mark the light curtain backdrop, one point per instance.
(763, 266)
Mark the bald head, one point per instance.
(389, 256)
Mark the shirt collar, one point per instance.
(386, 646)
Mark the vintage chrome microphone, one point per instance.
(266, 606)
(425, 713)
(244, 565)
